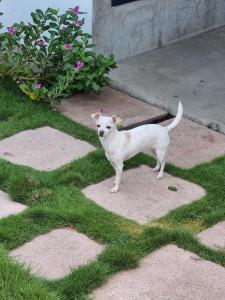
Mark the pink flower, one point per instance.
(64, 27)
(78, 23)
(75, 10)
(11, 31)
(79, 65)
(68, 47)
(37, 86)
(41, 43)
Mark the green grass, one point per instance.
(55, 201)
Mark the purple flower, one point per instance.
(68, 47)
(11, 31)
(18, 82)
(79, 65)
(75, 10)
(78, 23)
(37, 86)
(41, 43)
(64, 27)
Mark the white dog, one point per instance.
(122, 145)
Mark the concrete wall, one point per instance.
(15, 10)
(146, 24)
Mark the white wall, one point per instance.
(19, 10)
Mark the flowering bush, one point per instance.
(1, 15)
(52, 57)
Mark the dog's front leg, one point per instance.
(119, 170)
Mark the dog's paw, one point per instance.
(114, 189)
(159, 176)
(156, 169)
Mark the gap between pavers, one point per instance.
(168, 273)
(55, 254)
(43, 149)
(131, 110)
(142, 197)
(193, 144)
(214, 237)
(9, 207)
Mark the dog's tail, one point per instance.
(179, 115)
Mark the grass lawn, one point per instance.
(55, 201)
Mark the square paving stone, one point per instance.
(44, 148)
(193, 144)
(9, 207)
(131, 110)
(54, 254)
(169, 273)
(214, 237)
(142, 197)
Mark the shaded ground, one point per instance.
(191, 70)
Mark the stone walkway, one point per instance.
(193, 144)
(168, 273)
(132, 112)
(9, 207)
(43, 149)
(214, 237)
(141, 198)
(55, 254)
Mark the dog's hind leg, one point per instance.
(161, 157)
(157, 167)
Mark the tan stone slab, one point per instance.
(130, 110)
(214, 237)
(193, 144)
(9, 207)
(54, 254)
(44, 148)
(169, 273)
(142, 197)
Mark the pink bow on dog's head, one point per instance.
(102, 110)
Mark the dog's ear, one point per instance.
(96, 116)
(116, 119)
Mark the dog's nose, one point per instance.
(101, 133)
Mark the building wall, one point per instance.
(142, 25)
(15, 10)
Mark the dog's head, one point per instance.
(105, 124)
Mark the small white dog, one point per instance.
(122, 145)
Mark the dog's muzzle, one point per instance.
(101, 133)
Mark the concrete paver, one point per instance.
(168, 273)
(9, 207)
(214, 237)
(193, 144)
(43, 148)
(132, 111)
(142, 197)
(54, 254)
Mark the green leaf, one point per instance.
(53, 25)
(96, 87)
(40, 12)
(35, 18)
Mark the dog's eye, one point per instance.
(108, 127)
(98, 125)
